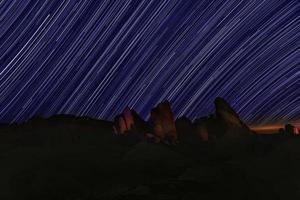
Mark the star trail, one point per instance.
(93, 58)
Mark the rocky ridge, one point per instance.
(163, 127)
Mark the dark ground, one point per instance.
(73, 159)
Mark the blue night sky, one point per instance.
(92, 58)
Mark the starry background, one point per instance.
(92, 58)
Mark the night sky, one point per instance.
(92, 58)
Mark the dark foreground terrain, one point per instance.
(71, 159)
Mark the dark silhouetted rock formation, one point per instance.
(208, 128)
(129, 122)
(127, 113)
(289, 130)
(163, 124)
(120, 126)
(202, 128)
(230, 121)
(226, 114)
(225, 123)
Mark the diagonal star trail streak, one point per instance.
(93, 58)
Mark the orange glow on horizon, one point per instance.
(271, 128)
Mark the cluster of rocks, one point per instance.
(162, 127)
(289, 130)
(129, 122)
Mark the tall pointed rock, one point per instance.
(163, 122)
(225, 113)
